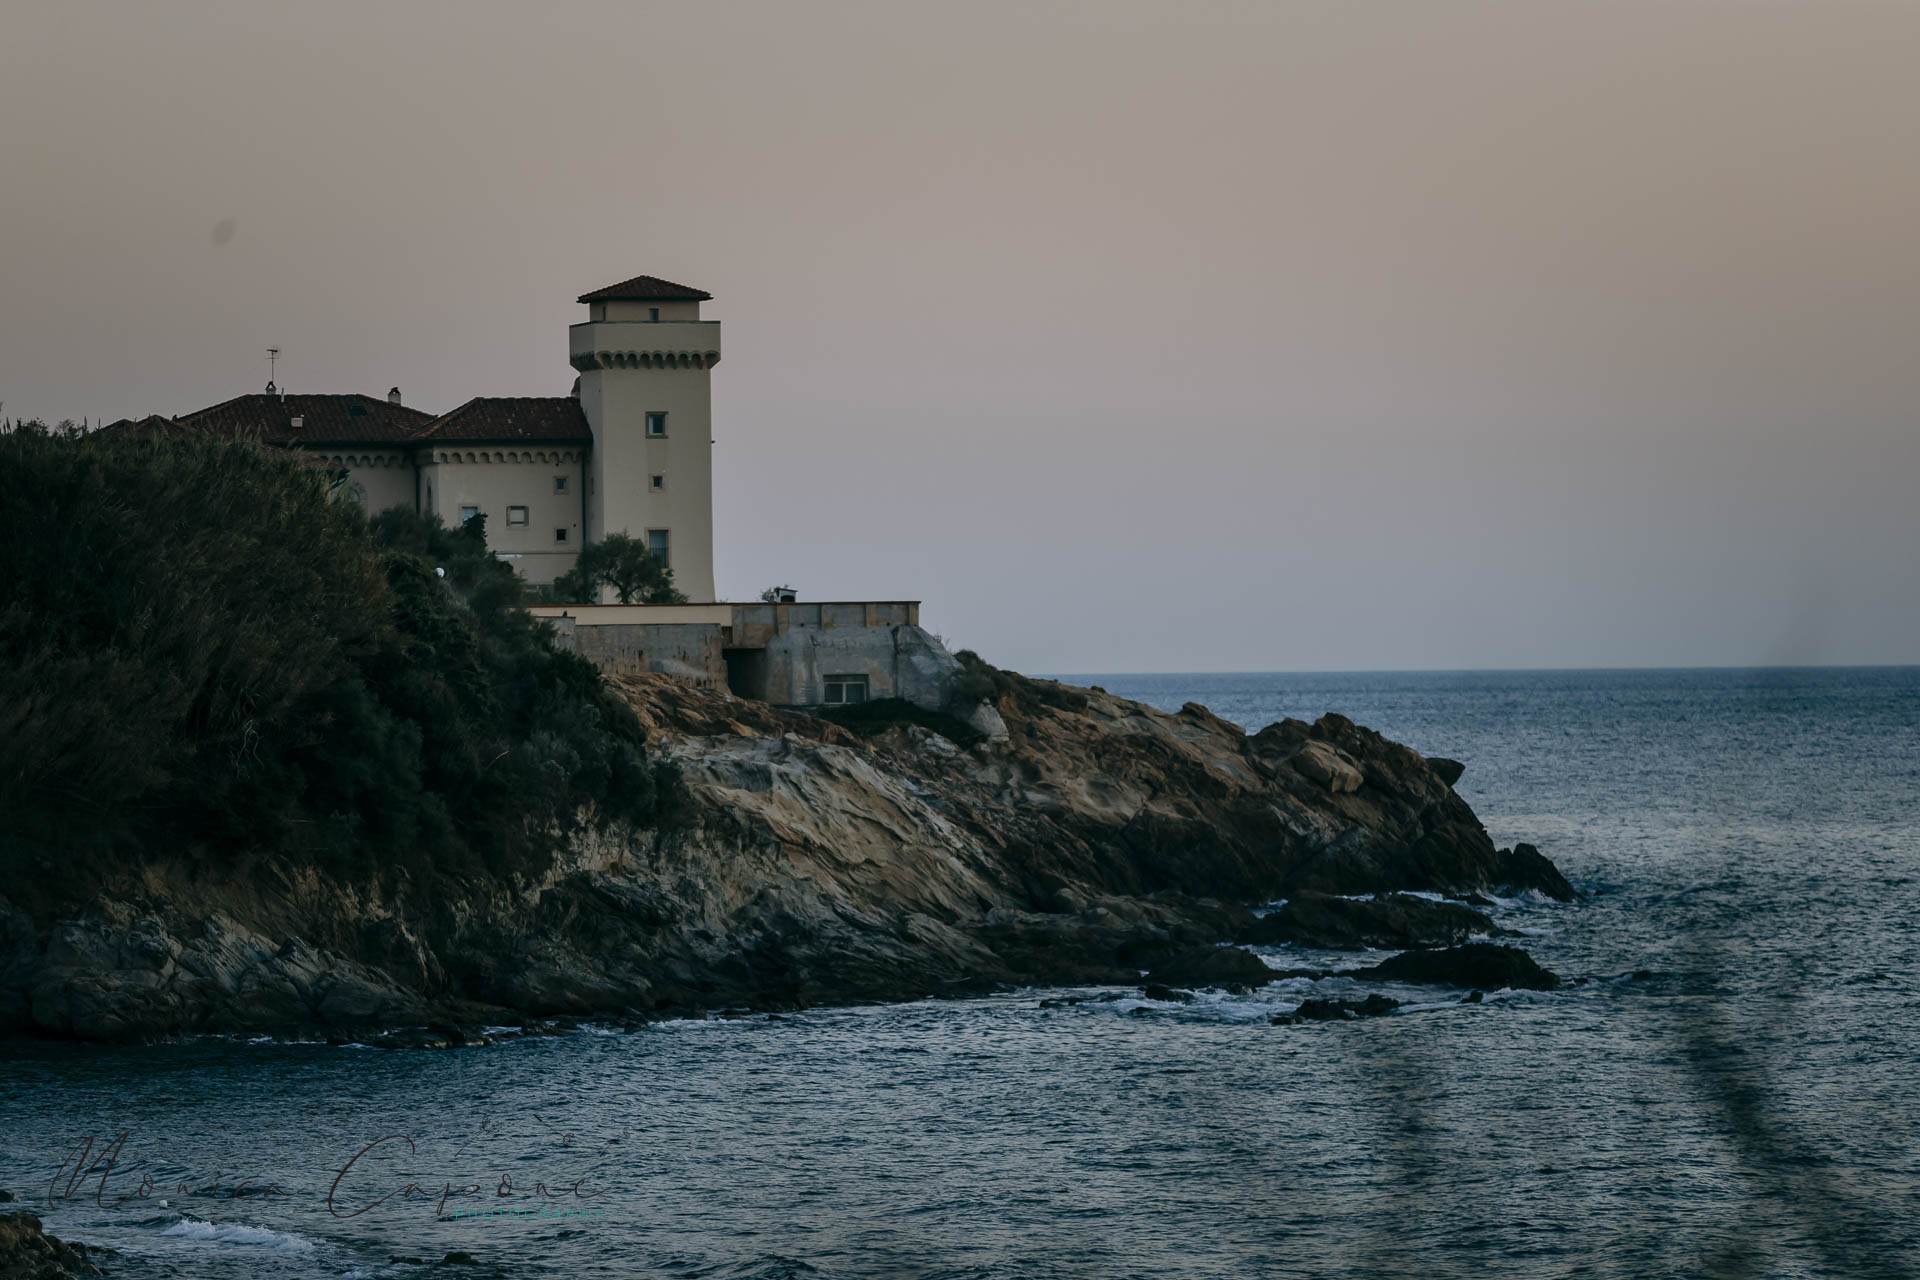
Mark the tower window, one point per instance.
(653, 314)
(468, 513)
(559, 535)
(656, 424)
(516, 515)
(656, 483)
(657, 545)
(559, 484)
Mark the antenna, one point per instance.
(273, 369)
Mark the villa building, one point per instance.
(629, 451)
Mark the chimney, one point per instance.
(393, 395)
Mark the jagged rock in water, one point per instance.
(1448, 771)
(1524, 867)
(1476, 964)
(1374, 1006)
(1212, 967)
(799, 865)
(28, 1253)
(1386, 921)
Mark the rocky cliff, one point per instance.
(1089, 839)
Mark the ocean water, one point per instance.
(1733, 1089)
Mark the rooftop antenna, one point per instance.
(273, 368)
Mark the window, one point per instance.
(656, 424)
(559, 535)
(468, 513)
(657, 483)
(844, 691)
(657, 544)
(559, 484)
(653, 314)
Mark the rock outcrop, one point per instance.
(1477, 964)
(1374, 1006)
(1212, 967)
(28, 1253)
(1387, 921)
(1093, 840)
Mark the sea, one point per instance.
(1728, 1084)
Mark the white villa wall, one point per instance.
(376, 478)
(496, 477)
(643, 312)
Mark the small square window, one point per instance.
(516, 516)
(657, 544)
(559, 535)
(468, 513)
(656, 424)
(657, 483)
(653, 314)
(559, 484)
(844, 691)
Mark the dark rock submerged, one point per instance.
(1374, 1006)
(1477, 964)
(801, 865)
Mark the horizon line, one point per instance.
(1434, 671)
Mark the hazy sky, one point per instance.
(1127, 337)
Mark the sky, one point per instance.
(1127, 337)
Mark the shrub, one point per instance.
(199, 648)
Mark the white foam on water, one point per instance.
(238, 1233)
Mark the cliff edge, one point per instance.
(794, 862)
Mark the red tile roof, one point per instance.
(352, 419)
(646, 289)
(508, 418)
(151, 427)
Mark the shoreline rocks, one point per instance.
(1482, 965)
(27, 1252)
(1374, 1006)
(1386, 922)
(802, 866)
(1212, 967)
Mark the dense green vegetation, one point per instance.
(201, 650)
(981, 681)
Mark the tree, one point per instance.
(622, 563)
(201, 650)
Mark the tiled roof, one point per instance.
(270, 419)
(506, 418)
(646, 289)
(151, 427)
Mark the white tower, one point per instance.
(643, 356)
